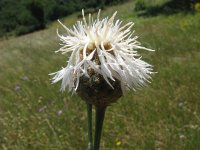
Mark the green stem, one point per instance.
(89, 114)
(100, 113)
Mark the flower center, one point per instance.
(91, 47)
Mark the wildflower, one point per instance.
(102, 65)
(17, 88)
(118, 143)
(60, 112)
(103, 48)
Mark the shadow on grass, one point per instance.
(168, 8)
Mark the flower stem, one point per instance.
(89, 114)
(100, 113)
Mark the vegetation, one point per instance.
(166, 115)
(166, 7)
(24, 16)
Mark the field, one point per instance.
(35, 115)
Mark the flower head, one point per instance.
(104, 47)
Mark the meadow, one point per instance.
(165, 115)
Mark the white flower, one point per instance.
(105, 47)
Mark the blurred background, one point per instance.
(34, 114)
(25, 16)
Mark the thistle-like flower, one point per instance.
(102, 65)
(105, 49)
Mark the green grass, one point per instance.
(35, 115)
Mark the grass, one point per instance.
(35, 115)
